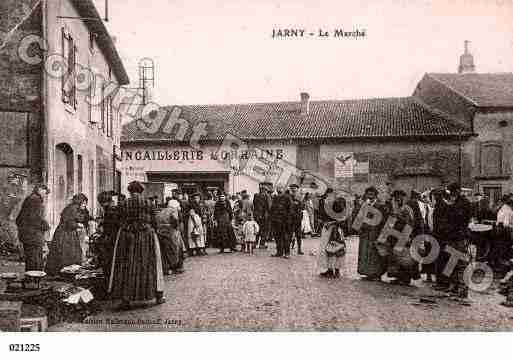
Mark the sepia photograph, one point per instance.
(243, 166)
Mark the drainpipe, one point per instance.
(45, 120)
(114, 167)
(459, 162)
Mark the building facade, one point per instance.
(483, 104)
(347, 145)
(456, 127)
(57, 126)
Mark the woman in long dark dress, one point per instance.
(65, 247)
(170, 240)
(209, 216)
(108, 226)
(370, 263)
(223, 215)
(136, 274)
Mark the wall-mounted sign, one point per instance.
(199, 155)
(344, 165)
(134, 173)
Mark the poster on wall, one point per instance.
(361, 170)
(133, 173)
(344, 165)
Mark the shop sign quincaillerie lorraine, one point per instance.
(200, 155)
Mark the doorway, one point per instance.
(191, 182)
(63, 176)
(418, 183)
(493, 193)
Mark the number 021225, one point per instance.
(24, 347)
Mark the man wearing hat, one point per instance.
(31, 227)
(296, 216)
(421, 212)
(223, 215)
(459, 215)
(261, 207)
(280, 222)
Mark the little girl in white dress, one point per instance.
(250, 230)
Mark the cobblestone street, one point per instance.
(239, 292)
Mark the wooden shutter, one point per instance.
(491, 159)
(308, 157)
(65, 57)
(73, 75)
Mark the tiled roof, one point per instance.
(482, 90)
(368, 118)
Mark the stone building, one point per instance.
(454, 127)
(483, 104)
(345, 144)
(51, 63)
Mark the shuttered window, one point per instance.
(107, 111)
(491, 159)
(69, 53)
(308, 157)
(80, 173)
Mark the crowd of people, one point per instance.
(444, 215)
(138, 240)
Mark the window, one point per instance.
(92, 38)
(92, 194)
(80, 173)
(104, 180)
(69, 53)
(308, 157)
(107, 114)
(91, 93)
(491, 159)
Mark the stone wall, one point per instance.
(389, 161)
(20, 92)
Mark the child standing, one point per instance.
(250, 230)
(196, 234)
(332, 250)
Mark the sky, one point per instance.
(215, 52)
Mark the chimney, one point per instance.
(466, 60)
(305, 103)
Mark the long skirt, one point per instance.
(370, 262)
(312, 220)
(225, 236)
(323, 261)
(402, 265)
(105, 248)
(171, 248)
(33, 242)
(136, 272)
(64, 250)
